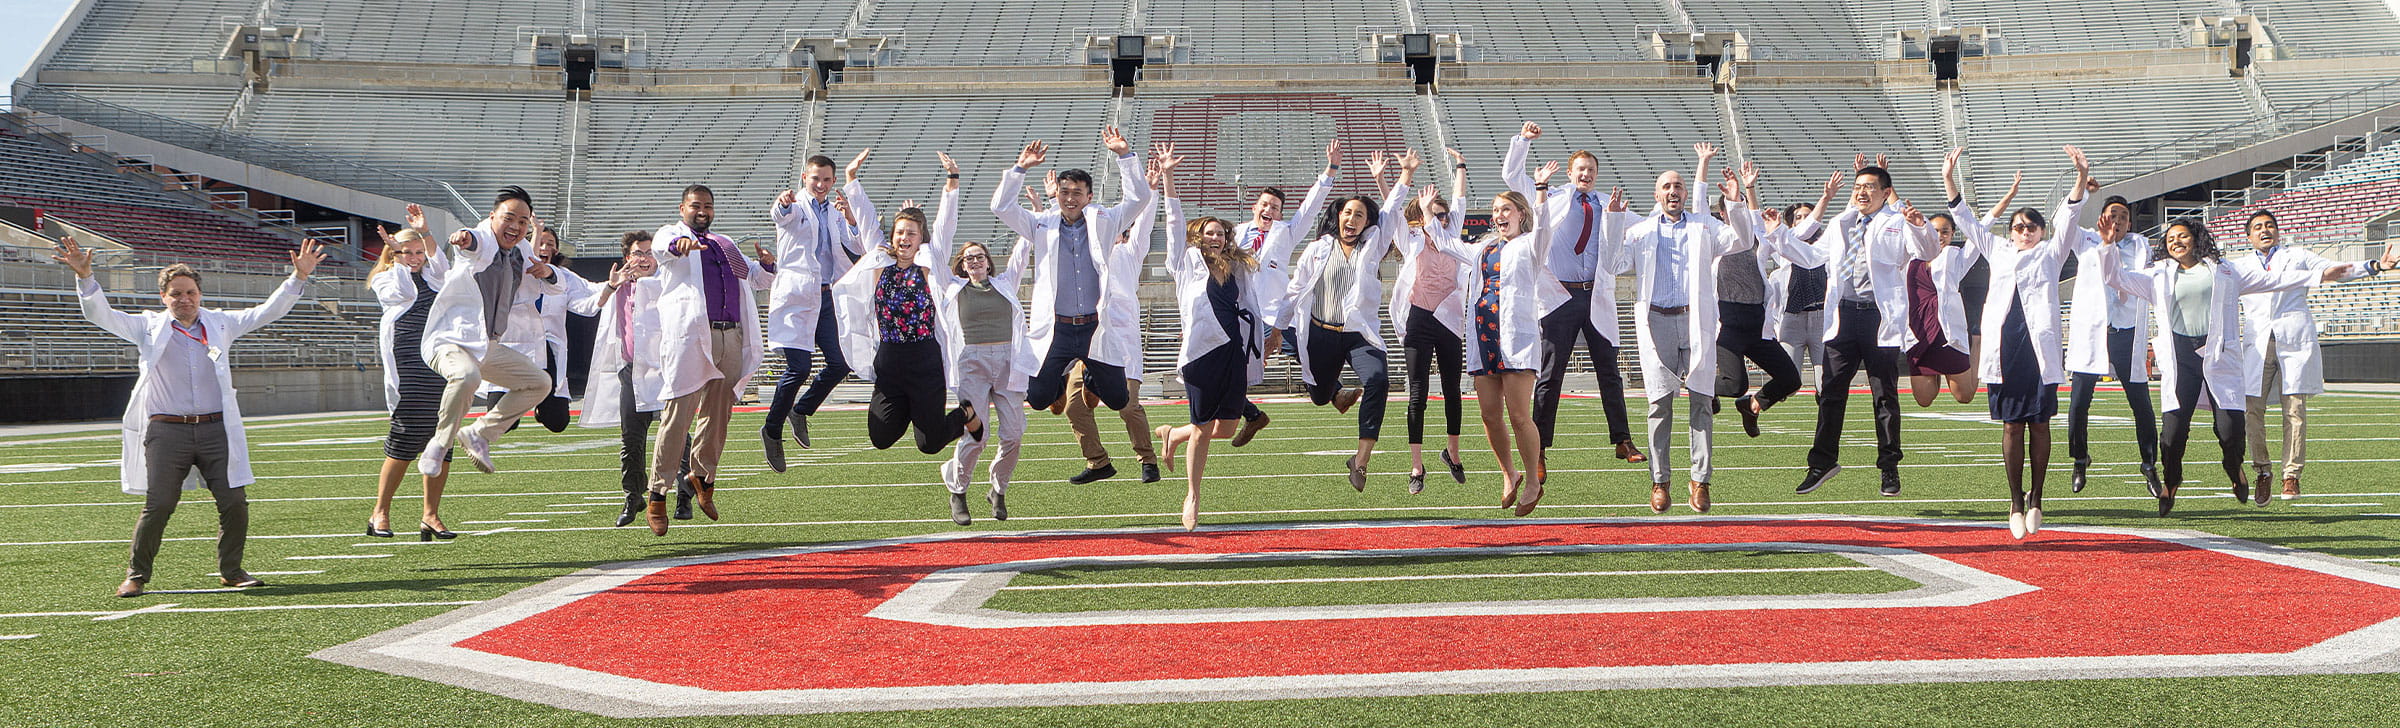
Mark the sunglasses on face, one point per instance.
(2025, 227)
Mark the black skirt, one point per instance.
(2020, 395)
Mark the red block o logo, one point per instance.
(899, 624)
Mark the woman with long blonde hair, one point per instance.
(405, 286)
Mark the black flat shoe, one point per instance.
(1090, 475)
(799, 424)
(2077, 483)
(428, 533)
(1416, 483)
(374, 532)
(1149, 472)
(683, 504)
(1458, 470)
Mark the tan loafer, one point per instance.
(705, 494)
(2291, 488)
(1659, 501)
(658, 515)
(130, 588)
(1699, 501)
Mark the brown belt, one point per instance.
(1085, 319)
(1320, 323)
(1577, 285)
(1670, 310)
(189, 419)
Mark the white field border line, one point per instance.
(276, 573)
(171, 608)
(337, 556)
(955, 597)
(1428, 577)
(424, 650)
(18, 636)
(1133, 516)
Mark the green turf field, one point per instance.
(78, 656)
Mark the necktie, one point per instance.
(733, 256)
(1854, 257)
(1584, 237)
(625, 321)
(824, 236)
(1258, 240)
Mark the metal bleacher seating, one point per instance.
(645, 149)
(475, 141)
(995, 33)
(40, 174)
(716, 34)
(2019, 124)
(2078, 26)
(1799, 135)
(2325, 28)
(1550, 30)
(1272, 31)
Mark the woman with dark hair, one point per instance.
(897, 334)
(2195, 302)
(1513, 288)
(1222, 351)
(1428, 309)
(411, 389)
(2025, 369)
(1335, 285)
(1938, 310)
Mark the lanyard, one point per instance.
(187, 333)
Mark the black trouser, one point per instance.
(1328, 350)
(2191, 382)
(633, 451)
(1560, 327)
(553, 412)
(1069, 342)
(2137, 394)
(909, 390)
(829, 343)
(1741, 331)
(1429, 343)
(1845, 355)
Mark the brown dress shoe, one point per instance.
(242, 581)
(1627, 453)
(130, 588)
(658, 515)
(1343, 400)
(1658, 498)
(2291, 488)
(706, 494)
(1249, 429)
(2260, 495)
(1699, 501)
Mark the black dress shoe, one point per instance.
(1149, 472)
(999, 505)
(1891, 483)
(1090, 475)
(2150, 477)
(1748, 408)
(958, 509)
(428, 533)
(634, 503)
(2077, 485)
(1458, 470)
(378, 532)
(2241, 492)
(683, 505)
(774, 448)
(1816, 478)
(799, 424)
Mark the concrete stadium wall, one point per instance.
(45, 398)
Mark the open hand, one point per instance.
(77, 257)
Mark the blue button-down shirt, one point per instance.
(1666, 278)
(1078, 275)
(1564, 261)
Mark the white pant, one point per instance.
(462, 374)
(1675, 352)
(983, 384)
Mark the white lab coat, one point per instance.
(397, 294)
(2026, 277)
(1781, 244)
(686, 360)
(1363, 303)
(2284, 315)
(799, 287)
(1118, 340)
(457, 315)
(150, 333)
(1891, 244)
(1023, 362)
(1275, 254)
(1555, 211)
(1528, 290)
(2087, 323)
(1414, 244)
(537, 324)
(600, 387)
(854, 296)
(1201, 332)
(1705, 241)
(2221, 353)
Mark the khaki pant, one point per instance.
(2295, 421)
(527, 384)
(173, 450)
(712, 406)
(1087, 432)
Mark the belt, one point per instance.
(722, 325)
(1083, 320)
(1577, 285)
(1320, 323)
(1858, 305)
(1670, 310)
(1811, 308)
(189, 419)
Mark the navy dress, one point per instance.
(2020, 395)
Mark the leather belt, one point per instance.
(1083, 320)
(1858, 305)
(1811, 308)
(1577, 285)
(1320, 323)
(189, 419)
(1670, 310)
(722, 325)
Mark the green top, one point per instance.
(2193, 289)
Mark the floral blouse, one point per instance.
(903, 305)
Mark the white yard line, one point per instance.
(1432, 577)
(173, 608)
(337, 556)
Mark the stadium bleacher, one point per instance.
(476, 141)
(1271, 31)
(1551, 30)
(709, 34)
(644, 150)
(39, 174)
(2019, 124)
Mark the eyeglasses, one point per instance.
(2025, 227)
(975, 256)
(1442, 216)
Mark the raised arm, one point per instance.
(1136, 198)
(1520, 149)
(1281, 241)
(2066, 226)
(2137, 284)
(1004, 199)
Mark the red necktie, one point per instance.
(1258, 240)
(1584, 200)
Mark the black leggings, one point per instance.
(1427, 343)
(909, 390)
(2190, 382)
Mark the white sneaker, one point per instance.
(430, 463)
(478, 451)
(2016, 525)
(2033, 520)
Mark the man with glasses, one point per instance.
(1867, 247)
